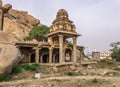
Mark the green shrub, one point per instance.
(31, 67)
(71, 73)
(5, 77)
(95, 80)
(17, 69)
(116, 54)
(39, 33)
(106, 63)
(37, 65)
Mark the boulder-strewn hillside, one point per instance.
(18, 23)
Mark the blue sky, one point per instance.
(97, 20)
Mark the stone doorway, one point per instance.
(45, 58)
(32, 60)
(55, 55)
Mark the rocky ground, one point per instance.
(66, 81)
(105, 74)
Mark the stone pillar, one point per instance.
(64, 55)
(37, 55)
(1, 19)
(50, 55)
(41, 58)
(29, 56)
(81, 55)
(60, 48)
(53, 58)
(50, 40)
(74, 49)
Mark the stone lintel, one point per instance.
(66, 33)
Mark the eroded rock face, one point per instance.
(18, 23)
(9, 54)
(16, 30)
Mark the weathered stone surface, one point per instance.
(1, 15)
(32, 21)
(0, 3)
(15, 29)
(9, 54)
(23, 17)
(18, 23)
(6, 7)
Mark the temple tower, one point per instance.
(61, 29)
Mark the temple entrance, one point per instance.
(44, 52)
(32, 60)
(45, 58)
(55, 55)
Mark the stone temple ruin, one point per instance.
(56, 50)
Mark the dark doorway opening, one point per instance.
(55, 55)
(45, 58)
(32, 58)
(57, 58)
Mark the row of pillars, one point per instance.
(61, 54)
(61, 51)
(37, 55)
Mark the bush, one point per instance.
(5, 77)
(71, 73)
(95, 80)
(17, 69)
(107, 64)
(31, 67)
(39, 33)
(116, 55)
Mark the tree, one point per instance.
(116, 55)
(39, 33)
(115, 51)
(114, 45)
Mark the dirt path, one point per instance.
(65, 81)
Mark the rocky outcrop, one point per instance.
(15, 29)
(6, 7)
(9, 54)
(23, 17)
(16, 23)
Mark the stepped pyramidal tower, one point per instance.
(61, 29)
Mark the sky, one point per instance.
(98, 21)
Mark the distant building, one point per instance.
(105, 55)
(95, 55)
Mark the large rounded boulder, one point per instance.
(9, 54)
